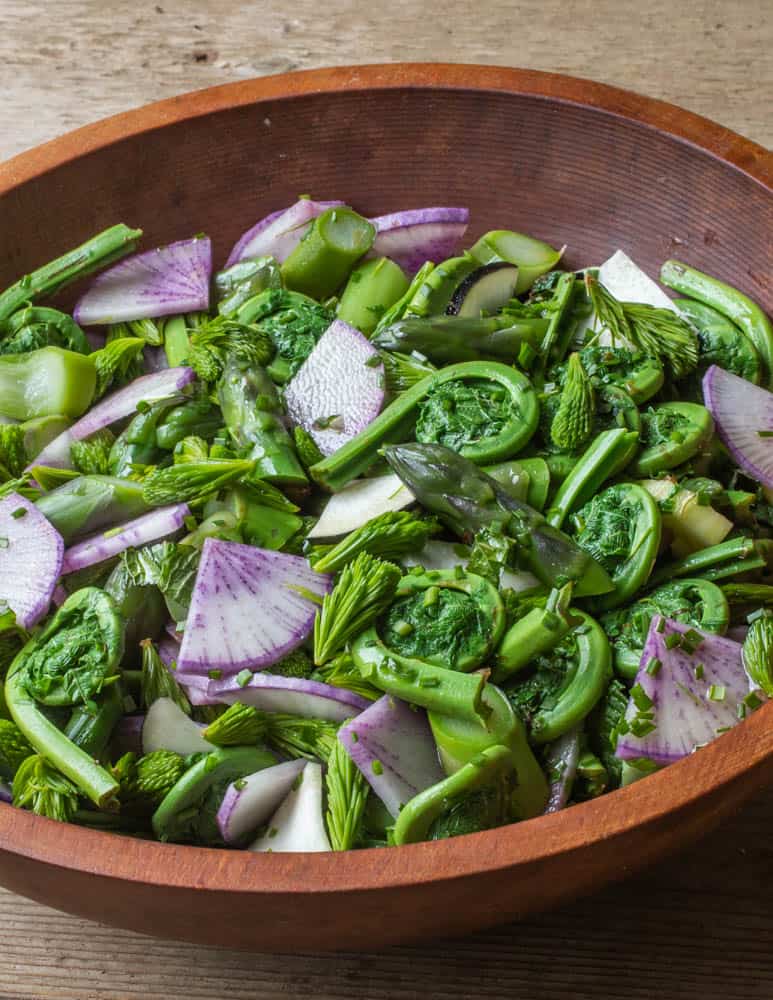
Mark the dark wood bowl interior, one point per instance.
(566, 160)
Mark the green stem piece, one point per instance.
(536, 633)
(371, 290)
(447, 692)
(101, 250)
(321, 262)
(605, 453)
(736, 306)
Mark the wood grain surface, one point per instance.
(699, 926)
(68, 63)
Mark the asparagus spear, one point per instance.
(252, 413)
(451, 339)
(467, 499)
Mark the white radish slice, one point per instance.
(743, 416)
(249, 802)
(279, 233)
(690, 700)
(117, 406)
(167, 727)
(31, 553)
(628, 283)
(249, 608)
(392, 746)
(298, 824)
(339, 388)
(150, 527)
(162, 282)
(412, 237)
(295, 695)
(358, 502)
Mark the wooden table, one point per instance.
(700, 926)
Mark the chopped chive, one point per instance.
(244, 677)
(673, 640)
(660, 628)
(19, 512)
(215, 674)
(654, 666)
(640, 698)
(377, 767)
(716, 692)
(699, 670)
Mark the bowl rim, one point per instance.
(660, 799)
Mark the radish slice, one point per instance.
(31, 553)
(127, 736)
(249, 608)
(561, 762)
(257, 797)
(392, 746)
(741, 411)
(447, 555)
(628, 283)
(162, 282)
(279, 233)
(150, 527)
(59, 595)
(339, 388)
(167, 727)
(297, 825)
(690, 700)
(195, 686)
(168, 650)
(117, 406)
(411, 238)
(358, 502)
(295, 695)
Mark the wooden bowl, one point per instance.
(566, 160)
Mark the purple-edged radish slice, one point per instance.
(167, 727)
(150, 527)
(168, 650)
(249, 802)
(249, 608)
(690, 688)
(298, 823)
(561, 762)
(59, 595)
(420, 234)
(117, 406)
(195, 686)
(162, 282)
(338, 390)
(392, 746)
(743, 415)
(359, 501)
(127, 736)
(31, 553)
(279, 233)
(295, 695)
